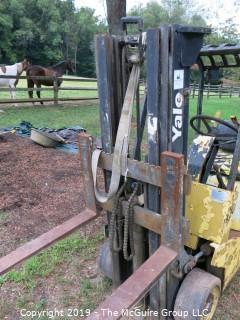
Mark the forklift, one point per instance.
(173, 212)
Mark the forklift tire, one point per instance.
(198, 296)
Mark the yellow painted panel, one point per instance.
(227, 256)
(209, 211)
(235, 225)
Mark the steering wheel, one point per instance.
(211, 131)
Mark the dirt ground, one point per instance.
(40, 188)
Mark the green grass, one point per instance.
(61, 265)
(43, 264)
(54, 117)
(87, 115)
(227, 107)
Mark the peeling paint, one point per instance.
(227, 256)
(106, 117)
(198, 154)
(236, 215)
(209, 218)
(202, 142)
(152, 127)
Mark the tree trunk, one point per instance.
(116, 9)
(75, 59)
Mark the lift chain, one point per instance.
(117, 243)
(115, 232)
(128, 226)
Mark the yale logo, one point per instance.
(177, 117)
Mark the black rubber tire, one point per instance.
(195, 294)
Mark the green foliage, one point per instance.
(169, 11)
(47, 31)
(189, 13)
(88, 26)
(227, 32)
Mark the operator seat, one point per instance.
(210, 159)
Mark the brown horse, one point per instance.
(57, 70)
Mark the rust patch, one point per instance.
(136, 286)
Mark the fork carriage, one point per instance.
(172, 237)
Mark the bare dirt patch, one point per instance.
(40, 188)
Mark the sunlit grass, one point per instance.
(86, 114)
(80, 83)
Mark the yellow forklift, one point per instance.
(213, 205)
(173, 231)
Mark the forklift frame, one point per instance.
(217, 57)
(171, 51)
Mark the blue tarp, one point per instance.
(69, 134)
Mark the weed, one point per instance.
(3, 217)
(91, 293)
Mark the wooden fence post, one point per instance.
(230, 92)
(193, 92)
(220, 90)
(55, 89)
(208, 91)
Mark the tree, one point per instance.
(68, 27)
(153, 14)
(6, 24)
(169, 11)
(227, 32)
(197, 21)
(32, 29)
(116, 9)
(87, 26)
(176, 11)
(47, 31)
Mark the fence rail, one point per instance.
(49, 78)
(55, 89)
(208, 90)
(215, 90)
